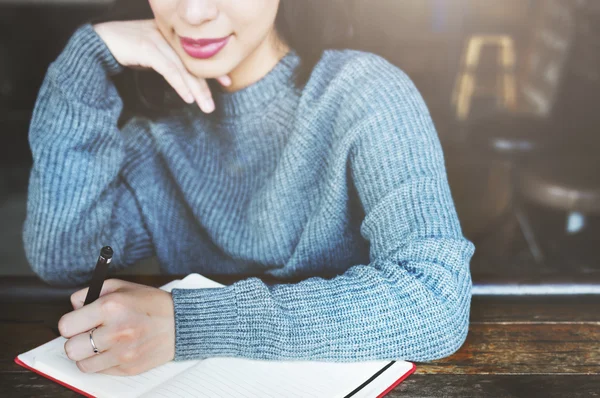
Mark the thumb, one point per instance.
(109, 286)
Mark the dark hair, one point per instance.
(307, 26)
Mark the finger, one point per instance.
(134, 364)
(80, 347)
(224, 80)
(204, 95)
(170, 72)
(115, 371)
(198, 87)
(81, 319)
(98, 362)
(128, 370)
(109, 286)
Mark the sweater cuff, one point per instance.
(83, 68)
(205, 323)
(239, 320)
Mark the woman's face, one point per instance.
(248, 24)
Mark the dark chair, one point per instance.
(509, 140)
(547, 168)
(569, 185)
(553, 162)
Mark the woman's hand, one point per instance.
(140, 44)
(135, 329)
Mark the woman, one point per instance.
(339, 174)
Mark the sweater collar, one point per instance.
(260, 93)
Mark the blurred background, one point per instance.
(513, 87)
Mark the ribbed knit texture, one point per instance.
(341, 183)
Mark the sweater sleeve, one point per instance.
(410, 302)
(77, 201)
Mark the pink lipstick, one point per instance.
(203, 48)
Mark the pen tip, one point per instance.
(106, 252)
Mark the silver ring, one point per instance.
(92, 341)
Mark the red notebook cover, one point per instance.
(390, 388)
(19, 362)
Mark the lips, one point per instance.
(202, 42)
(203, 48)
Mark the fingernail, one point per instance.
(209, 105)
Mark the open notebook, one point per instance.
(222, 376)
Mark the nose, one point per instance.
(195, 12)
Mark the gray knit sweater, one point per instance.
(341, 183)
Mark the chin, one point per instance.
(208, 70)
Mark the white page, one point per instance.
(53, 361)
(195, 281)
(239, 377)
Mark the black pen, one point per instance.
(100, 273)
(98, 277)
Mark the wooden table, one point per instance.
(517, 346)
